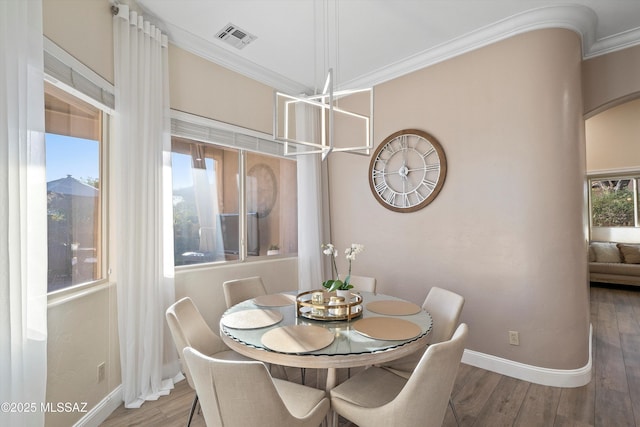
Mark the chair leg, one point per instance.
(303, 374)
(193, 409)
(455, 414)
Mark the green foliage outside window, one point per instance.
(612, 204)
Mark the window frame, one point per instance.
(103, 167)
(208, 131)
(633, 176)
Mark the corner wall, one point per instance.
(610, 79)
(507, 230)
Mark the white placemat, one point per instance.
(274, 300)
(297, 338)
(394, 307)
(251, 319)
(387, 328)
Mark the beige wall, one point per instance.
(82, 328)
(204, 285)
(613, 138)
(503, 232)
(83, 331)
(507, 230)
(82, 334)
(611, 87)
(610, 79)
(613, 146)
(205, 89)
(84, 29)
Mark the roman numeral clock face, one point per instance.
(407, 170)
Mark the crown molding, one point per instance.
(614, 43)
(577, 18)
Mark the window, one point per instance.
(74, 189)
(614, 202)
(209, 197)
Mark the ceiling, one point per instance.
(367, 42)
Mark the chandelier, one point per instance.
(325, 111)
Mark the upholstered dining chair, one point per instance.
(376, 397)
(189, 329)
(363, 283)
(445, 308)
(240, 394)
(239, 290)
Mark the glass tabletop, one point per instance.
(347, 341)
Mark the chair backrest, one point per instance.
(363, 283)
(239, 394)
(189, 329)
(445, 308)
(423, 400)
(239, 290)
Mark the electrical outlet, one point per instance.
(101, 371)
(514, 338)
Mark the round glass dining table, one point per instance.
(348, 347)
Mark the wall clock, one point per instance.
(263, 190)
(407, 170)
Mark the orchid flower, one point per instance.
(350, 254)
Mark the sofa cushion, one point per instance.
(592, 254)
(618, 268)
(630, 253)
(606, 252)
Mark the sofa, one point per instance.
(611, 262)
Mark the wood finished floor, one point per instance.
(487, 399)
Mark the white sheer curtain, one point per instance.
(288, 208)
(23, 213)
(309, 203)
(205, 188)
(141, 217)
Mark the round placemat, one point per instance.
(297, 338)
(393, 307)
(251, 319)
(274, 300)
(387, 328)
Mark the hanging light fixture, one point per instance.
(328, 110)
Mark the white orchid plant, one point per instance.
(330, 250)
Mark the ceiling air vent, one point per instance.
(235, 36)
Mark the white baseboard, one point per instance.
(102, 410)
(544, 376)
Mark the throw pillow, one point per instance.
(606, 252)
(630, 253)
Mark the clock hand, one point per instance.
(426, 168)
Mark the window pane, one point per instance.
(73, 134)
(612, 203)
(272, 223)
(205, 202)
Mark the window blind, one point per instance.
(206, 130)
(65, 69)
